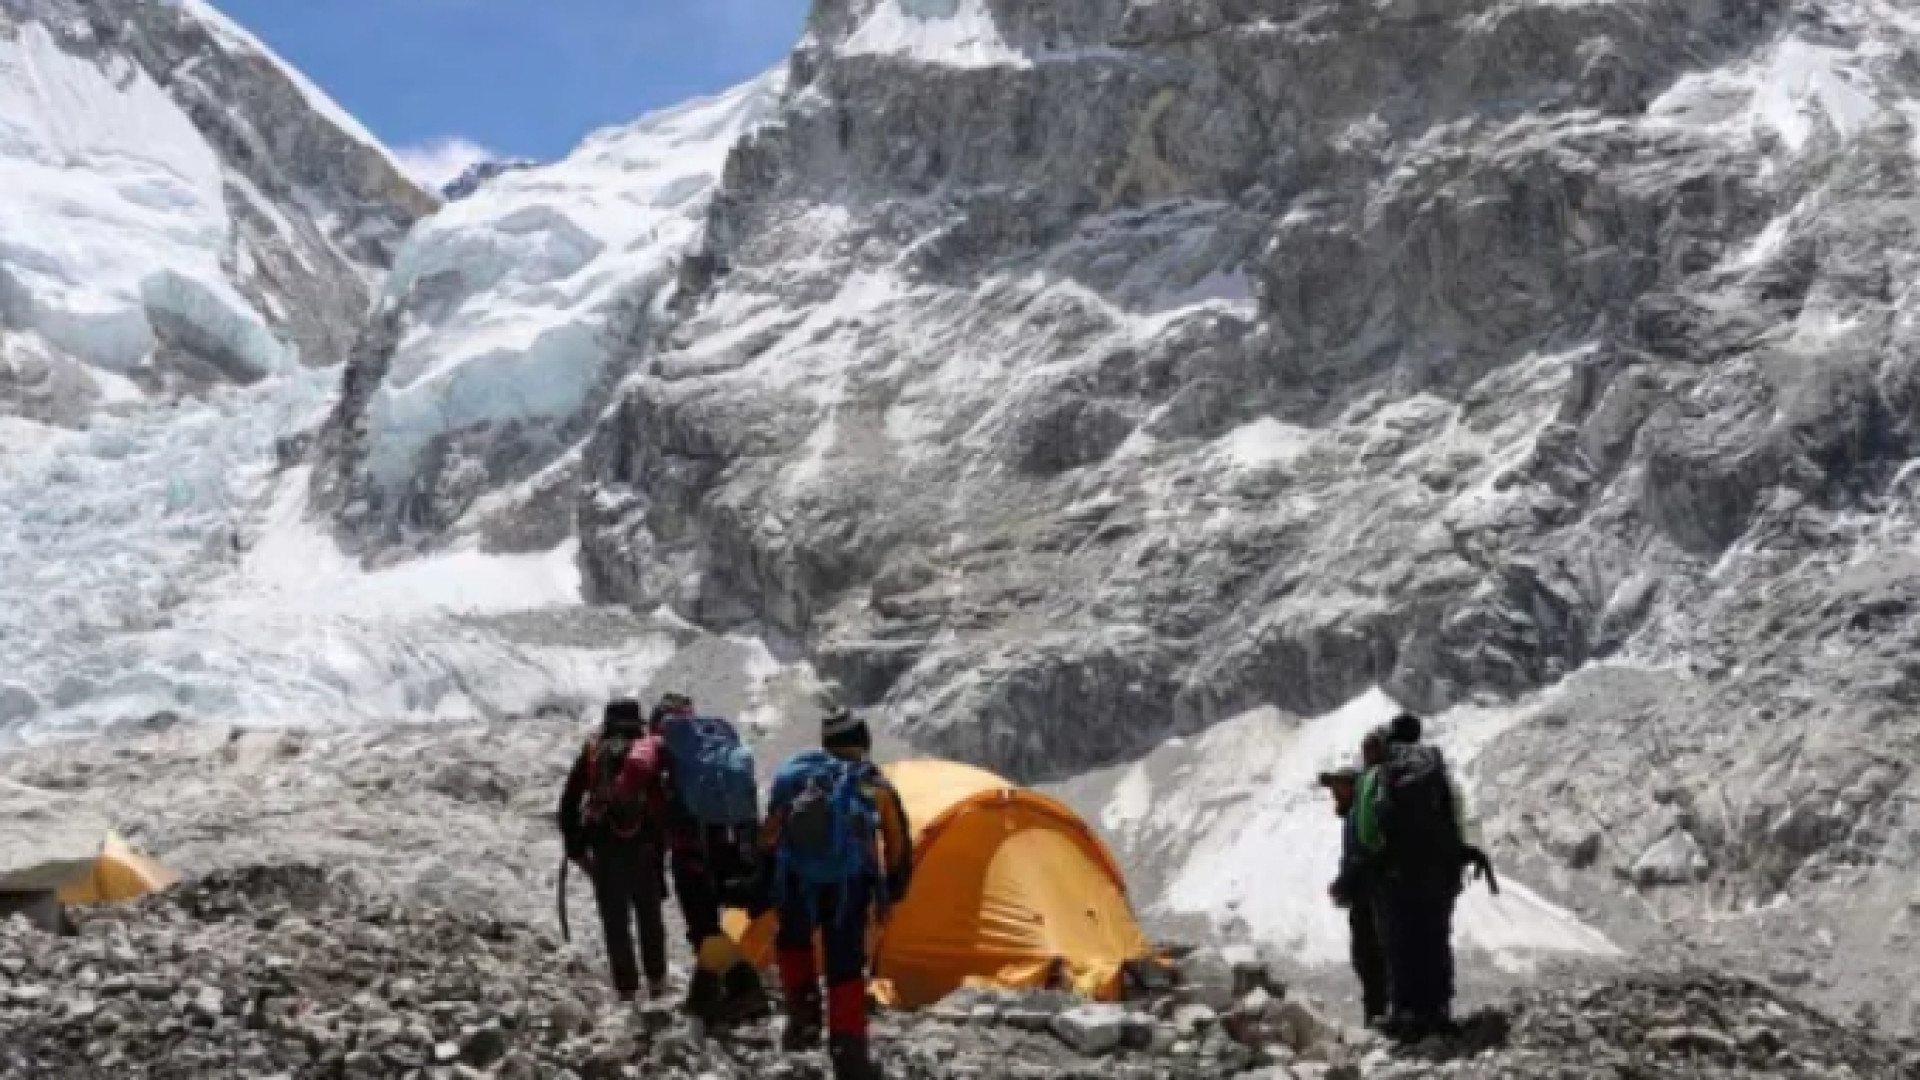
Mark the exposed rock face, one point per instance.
(479, 173)
(188, 211)
(1097, 371)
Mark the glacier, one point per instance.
(518, 300)
(108, 187)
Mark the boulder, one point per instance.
(1206, 978)
(1193, 1020)
(1301, 1029)
(1251, 971)
(17, 703)
(1091, 1030)
(1675, 859)
(483, 1045)
(1138, 1031)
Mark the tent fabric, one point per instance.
(119, 874)
(1011, 888)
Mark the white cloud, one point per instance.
(441, 161)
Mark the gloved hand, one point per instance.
(1480, 868)
(1338, 896)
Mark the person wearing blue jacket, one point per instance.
(839, 849)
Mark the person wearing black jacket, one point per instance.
(621, 855)
(1424, 864)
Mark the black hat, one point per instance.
(1405, 728)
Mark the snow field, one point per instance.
(1256, 841)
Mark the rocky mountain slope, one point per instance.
(1069, 376)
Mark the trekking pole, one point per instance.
(560, 900)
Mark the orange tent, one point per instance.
(1010, 888)
(119, 874)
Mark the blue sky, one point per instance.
(445, 81)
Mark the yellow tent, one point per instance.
(119, 874)
(1010, 888)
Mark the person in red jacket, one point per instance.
(612, 832)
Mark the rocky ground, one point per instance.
(294, 972)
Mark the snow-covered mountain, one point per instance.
(164, 559)
(184, 209)
(508, 320)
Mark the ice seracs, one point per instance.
(518, 304)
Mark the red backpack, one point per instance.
(626, 789)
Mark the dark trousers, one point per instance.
(1417, 928)
(841, 922)
(1369, 957)
(698, 895)
(626, 888)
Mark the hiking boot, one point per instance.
(1401, 1027)
(745, 996)
(704, 994)
(852, 1059)
(656, 989)
(805, 1024)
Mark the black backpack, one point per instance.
(1419, 822)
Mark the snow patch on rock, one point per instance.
(961, 33)
(1239, 822)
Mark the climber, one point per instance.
(612, 816)
(1411, 816)
(1352, 889)
(840, 850)
(712, 832)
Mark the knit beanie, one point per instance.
(842, 728)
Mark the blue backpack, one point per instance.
(713, 774)
(831, 827)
